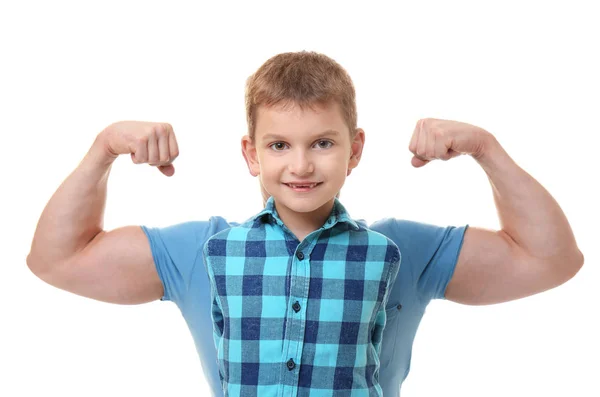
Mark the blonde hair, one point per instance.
(304, 79)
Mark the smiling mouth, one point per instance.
(303, 187)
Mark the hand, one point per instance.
(445, 139)
(146, 142)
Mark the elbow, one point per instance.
(578, 262)
(32, 263)
(35, 265)
(572, 266)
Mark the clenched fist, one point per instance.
(445, 139)
(146, 142)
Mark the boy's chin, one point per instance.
(304, 204)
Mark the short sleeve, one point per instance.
(429, 253)
(177, 251)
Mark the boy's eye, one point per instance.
(278, 146)
(324, 144)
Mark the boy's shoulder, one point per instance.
(376, 238)
(239, 231)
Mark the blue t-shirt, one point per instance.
(429, 254)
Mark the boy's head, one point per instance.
(301, 113)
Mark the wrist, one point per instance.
(100, 152)
(492, 157)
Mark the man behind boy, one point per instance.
(535, 249)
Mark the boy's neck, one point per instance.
(302, 224)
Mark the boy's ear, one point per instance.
(249, 153)
(356, 150)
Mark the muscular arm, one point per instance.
(534, 250)
(70, 249)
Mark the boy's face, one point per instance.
(295, 149)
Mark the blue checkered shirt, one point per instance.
(297, 318)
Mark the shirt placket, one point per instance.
(296, 318)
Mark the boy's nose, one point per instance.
(301, 164)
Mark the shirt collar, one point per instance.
(338, 214)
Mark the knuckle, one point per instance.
(162, 129)
(153, 132)
(162, 132)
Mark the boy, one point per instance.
(130, 265)
(299, 290)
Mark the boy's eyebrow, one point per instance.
(322, 134)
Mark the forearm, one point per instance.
(528, 214)
(75, 212)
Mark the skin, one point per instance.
(302, 146)
(72, 251)
(533, 251)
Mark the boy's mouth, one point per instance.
(303, 187)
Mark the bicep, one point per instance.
(116, 267)
(493, 268)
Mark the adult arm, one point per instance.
(534, 250)
(71, 250)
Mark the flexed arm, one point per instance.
(70, 249)
(534, 250)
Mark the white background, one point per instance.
(527, 72)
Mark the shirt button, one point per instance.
(296, 306)
(399, 307)
(300, 255)
(291, 364)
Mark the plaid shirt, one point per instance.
(297, 318)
